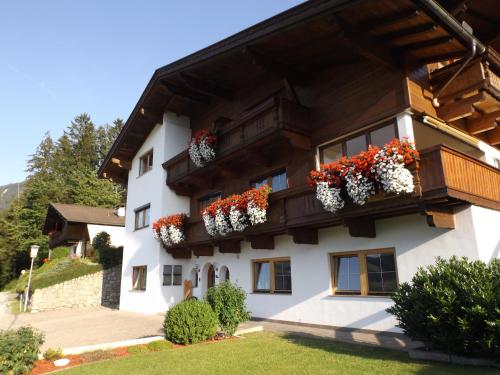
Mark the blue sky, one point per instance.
(60, 58)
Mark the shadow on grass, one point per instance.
(382, 354)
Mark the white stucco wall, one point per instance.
(117, 234)
(140, 248)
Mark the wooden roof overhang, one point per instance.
(295, 46)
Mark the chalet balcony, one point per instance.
(252, 138)
(443, 178)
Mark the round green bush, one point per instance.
(229, 304)
(452, 307)
(189, 322)
(59, 252)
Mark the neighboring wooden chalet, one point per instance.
(76, 226)
(323, 80)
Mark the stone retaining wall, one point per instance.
(96, 289)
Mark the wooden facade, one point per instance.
(321, 71)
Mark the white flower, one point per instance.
(238, 219)
(165, 236)
(156, 235)
(195, 154)
(329, 197)
(176, 235)
(222, 223)
(209, 224)
(359, 188)
(256, 214)
(392, 174)
(206, 150)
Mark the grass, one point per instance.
(54, 272)
(267, 353)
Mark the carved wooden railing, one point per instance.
(276, 116)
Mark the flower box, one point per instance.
(170, 230)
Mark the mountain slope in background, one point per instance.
(8, 193)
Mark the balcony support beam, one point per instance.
(261, 241)
(308, 236)
(229, 246)
(440, 219)
(202, 250)
(361, 227)
(179, 252)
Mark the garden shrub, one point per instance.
(189, 322)
(107, 255)
(19, 350)
(53, 354)
(228, 303)
(452, 306)
(159, 346)
(59, 252)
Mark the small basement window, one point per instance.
(142, 217)
(369, 272)
(139, 277)
(272, 275)
(146, 162)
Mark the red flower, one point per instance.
(45, 260)
(177, 220)
(204, 133)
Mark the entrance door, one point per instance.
(188, 289)
(210, 276)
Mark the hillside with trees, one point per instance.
(64, 171)
(10, 192)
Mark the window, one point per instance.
(354, 145)
(272, 275)
(172, 275)
(142, 217)
(146, 162)
(370, 272)
(277, 181)
(205, 201)
(139, 277)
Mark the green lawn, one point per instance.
(267, 353)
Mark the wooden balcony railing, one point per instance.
(275, 119)
(447, 174)
(443, 178)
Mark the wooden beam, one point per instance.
(460, 108)
(361, 227)
(366, 45)
(261, 241)
(307, 236)
(185, 92)
(229, 246)
(484, 123)
(202, 250)
(152, 115)
(390, 19)
(440, 219)
(494, 136)
(273, 65)
(179, 252)
(425, 44)
(442, 57)
(206, 87)
(393, 35)
(121, 163)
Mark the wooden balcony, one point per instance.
(444, 178)
(274, 123)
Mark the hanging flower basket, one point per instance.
(202, 147)
(237, 212)
(170, 230)
(358, 178)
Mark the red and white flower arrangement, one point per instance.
(202, 147)
(170, 229)
(361, 176)
(237, 212)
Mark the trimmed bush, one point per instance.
(19, 350)
(229, 304)
(189, 322)
(59, 252)
(53, 354)
(107, 255)
(159, 346)
(452, 307)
